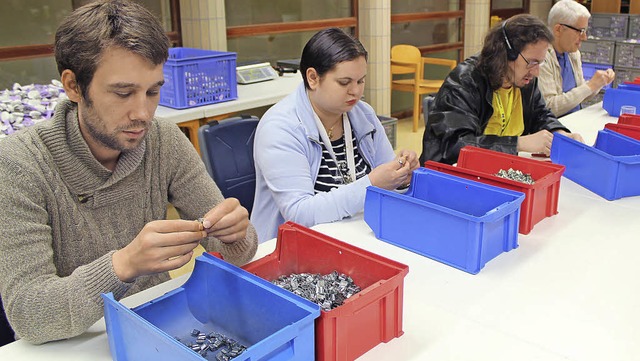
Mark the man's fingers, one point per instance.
(173, 225)
(176, 262)
(218, 212)
(177, 238)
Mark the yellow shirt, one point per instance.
(507, 113)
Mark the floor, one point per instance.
(405, 139)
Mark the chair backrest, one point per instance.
(406, 54)
(6, 333)
(226, 148)
(427, 105)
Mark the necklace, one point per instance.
(330, 130)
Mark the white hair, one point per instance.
(567, 12)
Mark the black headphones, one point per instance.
(512, 54)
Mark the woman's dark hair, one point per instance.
(519, 31)
(88, 31)
(326, 49)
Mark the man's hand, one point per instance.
(601, 78)
(539, 142)
(160, 246)
(228, 221)
(574, 136)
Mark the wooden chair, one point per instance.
(407, 59)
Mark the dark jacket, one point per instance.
(461, 112)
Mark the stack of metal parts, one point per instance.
(204, 344)
(516, 175)
(329, 291)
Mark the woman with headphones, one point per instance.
(492, 100)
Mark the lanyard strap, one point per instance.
(347, 170)
(351, 159)
(503, 115)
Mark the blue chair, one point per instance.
(427, 105)
(6, 333)
(226, 148)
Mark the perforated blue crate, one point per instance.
(195, 77)
(611, 168)
(459, 222)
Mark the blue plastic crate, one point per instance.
(615, 98)
(611, 168)
(588, 69)
(273, 323)
(456, 221)
(195, 77)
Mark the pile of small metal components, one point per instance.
(329, 291)
(203, 344)
(25, 105)
(516, 175)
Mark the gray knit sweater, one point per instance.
(64, 215)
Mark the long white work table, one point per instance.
(568, 292)
(249, 96)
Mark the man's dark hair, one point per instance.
(88, 31)
(518, 32)
(326, 49)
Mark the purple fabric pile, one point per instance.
(25, 105)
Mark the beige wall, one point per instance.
(476, 25)
(204, 20)
(375, 34)
(203, 24)
(477, 21)
(540, 8)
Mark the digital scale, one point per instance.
(253, 73)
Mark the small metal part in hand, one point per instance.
(516, 175)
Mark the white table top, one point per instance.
(568, 292)
(249, 96)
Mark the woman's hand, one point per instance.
(393, 174)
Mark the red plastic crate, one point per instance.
(632, 131)
(366, 319)
(541, 198)
(630, 119)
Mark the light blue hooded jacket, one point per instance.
(287, 154)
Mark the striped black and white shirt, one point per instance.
(329, 176)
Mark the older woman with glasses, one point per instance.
(492, 100)
(561, 79)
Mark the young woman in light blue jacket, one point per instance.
(317, 150)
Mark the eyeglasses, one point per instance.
(533, 63)
(582, 31)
